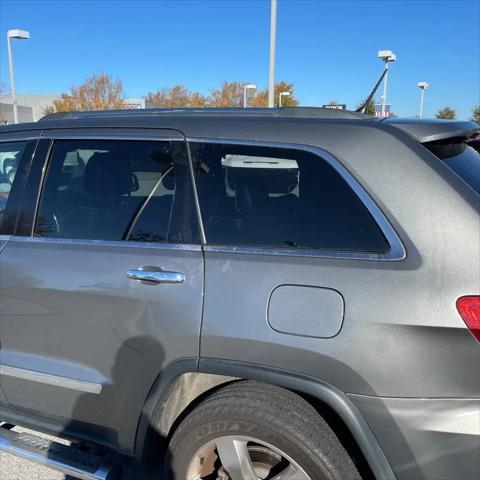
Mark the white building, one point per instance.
(37, 103)
(138, 103)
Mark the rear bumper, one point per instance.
(426, 438)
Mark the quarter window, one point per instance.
(112, 190)
(252, 195)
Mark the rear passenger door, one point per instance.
(107, 288)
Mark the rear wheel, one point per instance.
(252, 431)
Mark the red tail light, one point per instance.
(469, 309)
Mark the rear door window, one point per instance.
(262, 196)
(114, 190)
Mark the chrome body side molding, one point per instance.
(54, 380)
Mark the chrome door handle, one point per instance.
(154, 276)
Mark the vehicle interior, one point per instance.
(119, 193)
(280, 198)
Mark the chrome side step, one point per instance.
(69, 460)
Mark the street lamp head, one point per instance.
(423, 85)
(251, 85)
(286, 94)
(17, 33)
(387, 55)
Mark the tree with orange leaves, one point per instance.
(99, 92)
(175, 97)
(261, 98)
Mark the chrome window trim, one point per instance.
(109, 243)
(299, 252)
(48, 379)
(133, 138)
(396, 252)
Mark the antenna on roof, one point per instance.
(364, 106)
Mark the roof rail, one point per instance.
(287, 112)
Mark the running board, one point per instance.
(69, 460)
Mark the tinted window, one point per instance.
(462, 159)
(12, 160)
(279, 197)
(111, 190)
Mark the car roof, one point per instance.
(282, 112)
(159, 117)
(188, 119)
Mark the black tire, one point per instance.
(267, 413)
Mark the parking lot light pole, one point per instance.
(422, 86)
(386, 56)
(245, 89)
(280, 95)
(273, 34)
(21, 35)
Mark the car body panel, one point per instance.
(388, 324)
(88, 322)
(426, 437)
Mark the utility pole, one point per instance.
(422, 86)
(21, 35)
(273, 33)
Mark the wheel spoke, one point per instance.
(233, 453)
(291, 473)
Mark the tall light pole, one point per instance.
(280, 95)
(422, 86)
(245, 88)
(21, 35)
(387, 56)
(273, 34)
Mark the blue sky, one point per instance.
(328, 49)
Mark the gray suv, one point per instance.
(284, 294)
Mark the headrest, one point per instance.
(107, 176)
(8, 164)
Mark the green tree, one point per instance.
(446, 113)
(99, 92)
(476, 114)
